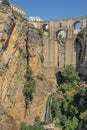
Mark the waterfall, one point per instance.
(47, 115)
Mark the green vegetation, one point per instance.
(42, 56)
(41, 33)
(36, 126)
(61, 39)
(41, 76)
(5, 2)
(79, 37)
(37, 119)
(25, 55)
(65, 87)
(70, 78)
(70, 110)
(69, 74)
(22, 18)
(29, 86)
(20, 50)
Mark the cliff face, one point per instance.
(20, 45)
(12, 68)
(81, 52)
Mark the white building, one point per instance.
(34, 19)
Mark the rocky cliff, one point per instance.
(20, 46)
(81, 51)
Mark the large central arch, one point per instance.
(59, 37)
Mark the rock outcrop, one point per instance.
(81, 51)
(20, 46)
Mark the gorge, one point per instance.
(23, 45)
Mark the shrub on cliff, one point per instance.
(36, 126)
(41, 76)
(37, 119)
(41, 57)
(29, 86)
(40, 32)
(79, 37)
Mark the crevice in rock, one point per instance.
(7, 41)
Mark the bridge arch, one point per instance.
(45, 27)
(61, 36)
(77, 25)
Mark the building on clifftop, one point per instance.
(35, 19)
(14, 7)
(17, 9)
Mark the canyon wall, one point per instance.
(20, 46)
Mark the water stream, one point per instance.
(48, 106)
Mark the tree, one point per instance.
(70, 79)
(71, 109)
(69, 74)
(65, 87)
(37, 126)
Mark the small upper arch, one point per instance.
(77, 25)
(45, 27)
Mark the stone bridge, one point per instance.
(59, 43)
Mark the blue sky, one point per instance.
(53, 9)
